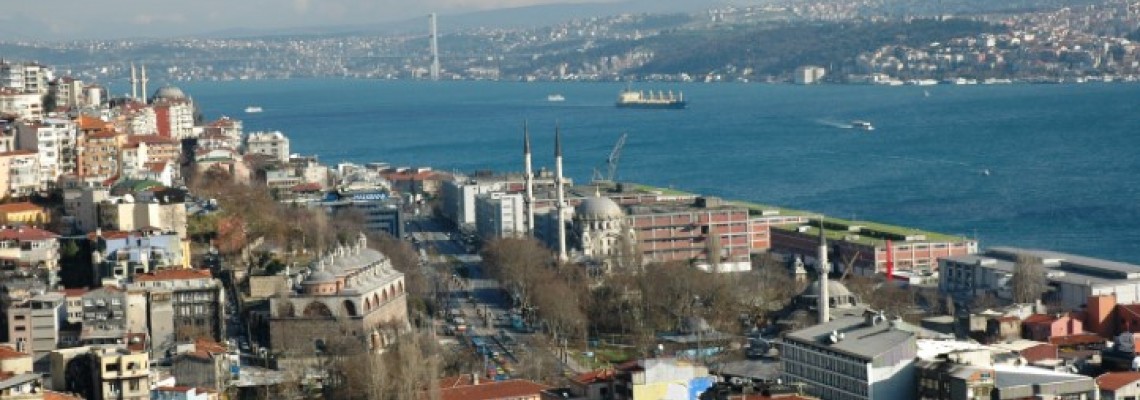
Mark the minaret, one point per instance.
(561, 199)
(143, 80)
(824, 269)
(134, 83)
(529, 177)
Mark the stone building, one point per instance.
(351, 292)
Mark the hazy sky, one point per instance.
(78, 19)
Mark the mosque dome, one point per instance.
(319, 277)
(599, 208)
(834, 289)
(169, 92)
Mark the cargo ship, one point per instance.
(636, 99)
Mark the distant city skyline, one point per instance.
(73, 20)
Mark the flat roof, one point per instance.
(1072, 262)
(860, 339)
(868, 232)
(1060, 267)
(1008, 376)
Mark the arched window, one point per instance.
(367, 304)
(349, 308)
(385, 295)
(376, 299)
(317, 309)
(401, 287)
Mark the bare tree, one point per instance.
(1028, 281)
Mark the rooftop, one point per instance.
(1008, 376)
(1117, 380)
(1060, 267)
(491, 390)
(19, 207)
(26, 233)
(870, 233)
(174, 274)
(7, 353)
(859, 338)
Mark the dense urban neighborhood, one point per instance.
(148, 251)
(854, 41)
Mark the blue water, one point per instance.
(1062, 159)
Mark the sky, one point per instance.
(101, 19)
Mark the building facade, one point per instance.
(499, 215)
(852, 358)
(354, 292)
(1071, 278)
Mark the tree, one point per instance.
(1028, 281)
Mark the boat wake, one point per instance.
(834, 124)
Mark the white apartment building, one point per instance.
(500, 214)
(273, 144)
(852, 358)
(25, 77)
(142, 121)
(25, 106)
(459, 198)
(809, 74)
(69, 92)
(55, 141)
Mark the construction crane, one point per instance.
(610, 165)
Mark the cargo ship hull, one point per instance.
(676, 105)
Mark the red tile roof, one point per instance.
(50, 395)
(174, 275)
(204, 344)
(150, 140)
(156, 167)
(1039, 319)
(601, 375)
(1073, 340)
(1116, 380)
(19, 207)
(87, 122)
(493, 390)
(18, 153)
(26, 233)
(74, 292)
(7, 353)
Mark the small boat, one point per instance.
(555, 98)
(986, 172)
(252, 109)
(864, 125)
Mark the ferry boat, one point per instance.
(252, 109)
(864, 125)
(555, 98)
(636, 99)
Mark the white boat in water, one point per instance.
(864, 125)
(252, 109)
(555, 97)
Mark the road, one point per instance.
(480, 298)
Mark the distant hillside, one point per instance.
(552, 14)
(776, 50)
